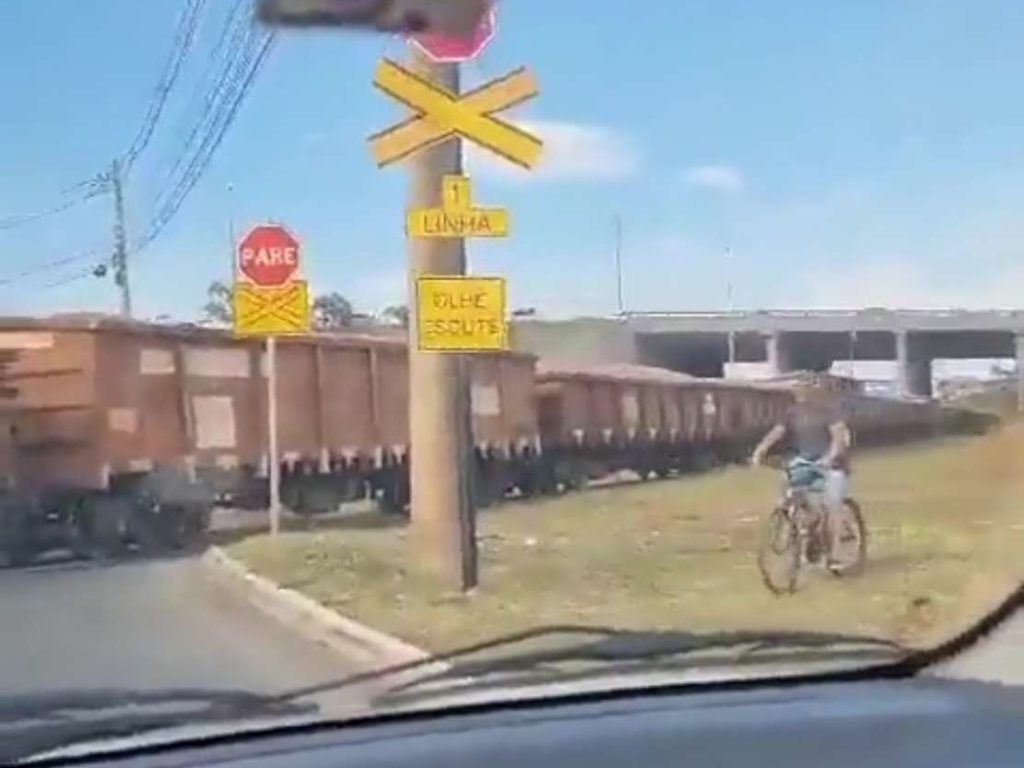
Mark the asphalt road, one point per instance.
(151, 626)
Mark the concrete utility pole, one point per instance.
(440, 429)
(120, 241)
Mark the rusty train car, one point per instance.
(115, 432)
(596, 420)
(599, 419)
(123, 432)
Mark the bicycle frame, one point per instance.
(805, 507)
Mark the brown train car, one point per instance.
(112, 417)
(600, 419)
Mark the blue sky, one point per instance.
(866, 152)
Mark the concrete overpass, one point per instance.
(701, 343)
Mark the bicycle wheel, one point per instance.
(778, 556)
(851, 545)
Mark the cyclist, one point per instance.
(816, 430)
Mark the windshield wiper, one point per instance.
(505, 661)
(39, 723)
(612, 651)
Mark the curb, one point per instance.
(354, 641)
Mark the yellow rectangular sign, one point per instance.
(470, 222)
(461, 314)
(440, 114)
(279, 311)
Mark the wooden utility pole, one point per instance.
(441, 461)
(120, 241)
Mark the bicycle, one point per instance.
(797, 534)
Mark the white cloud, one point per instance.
(718, 178)
(900, 283)
(572, 152)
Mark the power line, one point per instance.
(100, 270)
(241, 80)
(236, 53)
(233, 21)
(92, 188)
(184, 38)
(47, 266)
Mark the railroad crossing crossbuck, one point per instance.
(276, 311)
(442, 115)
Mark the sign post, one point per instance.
(273, 451)
(454, 315)
(270, 301)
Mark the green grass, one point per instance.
(946, 524)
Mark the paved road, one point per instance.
(148, 626)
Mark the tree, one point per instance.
(218, 304)
(331, 312)
(397, 314)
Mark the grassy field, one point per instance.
(946, 527)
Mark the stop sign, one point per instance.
(269, 255)
(453, 50)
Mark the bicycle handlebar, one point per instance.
(782, 463)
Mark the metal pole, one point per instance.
(728, 279)
(274, 465)
(469, 571)
(120, 241)
(439, 409)
(231, 234)
(618, 264)
(729, 302)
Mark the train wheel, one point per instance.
(104, 527)
(16, 540)
(393, 498)
(173, 528)
(543, 479)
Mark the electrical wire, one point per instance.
(90, 188)
(184, 39)
(48, 266)
(202, 93)
(240, 82)
(236, 53)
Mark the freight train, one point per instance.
(120, 433)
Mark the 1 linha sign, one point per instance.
(476, 222)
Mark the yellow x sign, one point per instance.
(441, 114)
(271, 311)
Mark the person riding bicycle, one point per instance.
(816, 428)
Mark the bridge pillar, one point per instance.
(913, 369)
(777, 354)
(1019, 344)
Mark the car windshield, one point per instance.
(360, 356)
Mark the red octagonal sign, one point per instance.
(269, 255)
(450, 50)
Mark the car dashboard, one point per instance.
(917, 722)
